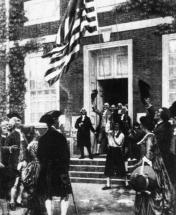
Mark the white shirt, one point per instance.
(120, 139)
(114, 141)
(21, 134)
(83, 118)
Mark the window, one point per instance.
(40, 98)
(41, 11)
(104, 5)
(112, 63)
(169, 69)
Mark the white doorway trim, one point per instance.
(165, 68)
(87, 49)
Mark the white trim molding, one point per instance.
(114, 28)
(165, 68)
(129, 26)
(44, 39)
(104, 5)
(87, 68)
(41, 11)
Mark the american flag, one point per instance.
(80, 17)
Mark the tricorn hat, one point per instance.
(143, 181)
(49, 117)
(147, 122)
(144, 90)
(13, 114)
(172, 109)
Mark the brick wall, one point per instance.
(112, 17)
(147, 65)
(2, 21)
(2, 60)
(147, 59)
(104, 19)
(72, 86)
(40, 30)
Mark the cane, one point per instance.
(76, 209)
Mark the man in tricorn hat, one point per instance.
(53, 154)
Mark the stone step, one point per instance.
(93, 168)
(90, 168)
(86, 174)
(92, 171)
(87, 161)
(117, 181)
(98, 169)
(95, 161)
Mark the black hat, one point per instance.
(144, 89)
(173, 109)
(147, 122)
(94, 95)
(145, 181)
(165, 114)
(13, 114)
(48, 117)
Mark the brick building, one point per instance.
(126, 48)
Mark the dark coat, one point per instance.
(4, 150)
(7, 174)
(54, 157)
(151, 112)
(83, 133)
(16, 155)
(133, 138)
(163, 133)
(125, 123)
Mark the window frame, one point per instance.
(165, 69)
(109, 6)
(54, 17)
(113, 64)
(27, 112)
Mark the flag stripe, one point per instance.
(74, 39)
(64, 60)
(80, 17)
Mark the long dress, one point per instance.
(114, 161)
(29, 179)
(160, 201)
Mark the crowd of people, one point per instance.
(33, 167)
(152, 141)
(114, 136)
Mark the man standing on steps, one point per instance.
(104, 117)
(84, 126)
